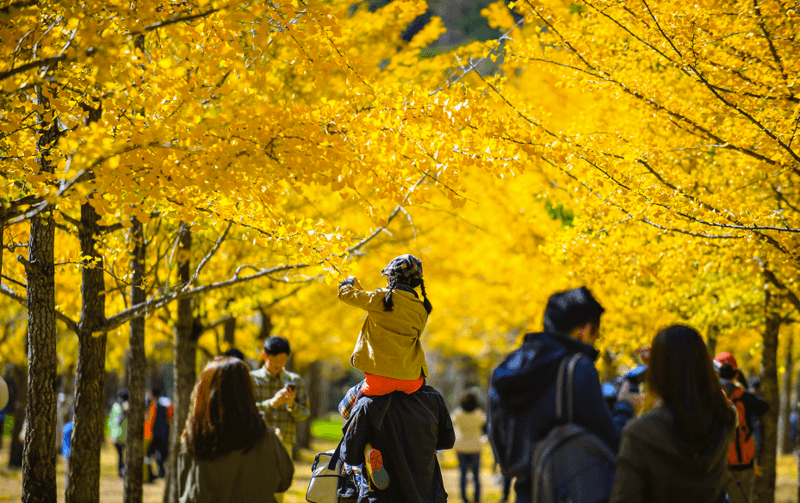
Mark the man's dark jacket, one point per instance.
(408, 430)
(522, 402)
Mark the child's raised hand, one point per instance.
(351, 281)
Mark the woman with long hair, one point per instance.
(227, 452)
(678, 450)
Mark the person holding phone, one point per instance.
(281, 396)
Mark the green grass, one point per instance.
(329, 429)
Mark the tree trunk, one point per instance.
(265, 328)
(39, 458)
(229, 332)
(784, 438)
(712, 334)
(314, 388)
(764, 487)
(17, 380)
(184, 371)
(134, 453)
(88, 431)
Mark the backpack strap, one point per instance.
(564, 391)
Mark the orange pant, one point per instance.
(375, 385)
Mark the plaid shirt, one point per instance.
(349, 400)
(281, 416)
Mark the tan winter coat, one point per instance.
(389, 343)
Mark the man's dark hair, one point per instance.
(569, 310)
(275, 345)
(156, 392)
(234, 353)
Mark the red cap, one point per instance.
(726, 358)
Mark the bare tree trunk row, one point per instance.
(134, 453)
(184, 368)
(39, 457)
(88, 428)
(784, 438)
(764, 486)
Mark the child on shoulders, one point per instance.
(389, 348)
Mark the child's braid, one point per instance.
(426, 303)
(388, 304)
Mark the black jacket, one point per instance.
(522, 401)
(657, 466)
(408, 430)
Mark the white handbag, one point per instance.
(326, 477)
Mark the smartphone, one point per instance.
(291, 386)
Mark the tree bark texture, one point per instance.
(314, 387)
(764, 486)
(88, 430)
(712, 334)
(229, 332)
(784, 438)
(39, 457)
(265, 328)
(17, 379)
(134, 453)
(184, 368)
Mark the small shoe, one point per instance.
(376, 470)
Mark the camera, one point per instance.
(635, 377)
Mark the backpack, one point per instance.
(571, 464)
(743, 448)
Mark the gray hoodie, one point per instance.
(654, 465)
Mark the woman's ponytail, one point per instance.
(426, 302)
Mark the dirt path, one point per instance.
(111, 486)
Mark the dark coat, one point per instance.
(655, 466)
(408, 430)
(255, 475)
(522, 402)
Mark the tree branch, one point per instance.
(71, 324)
(33, 64)
(793, 298)
(208, 256)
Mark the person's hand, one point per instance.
(625, 393)
(644, 354)
(278, 399)
(283, 396)
(351, 281)
(289, 396)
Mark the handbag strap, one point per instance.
(335, 456)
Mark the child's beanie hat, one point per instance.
(406, 266)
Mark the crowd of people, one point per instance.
(691, 434)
